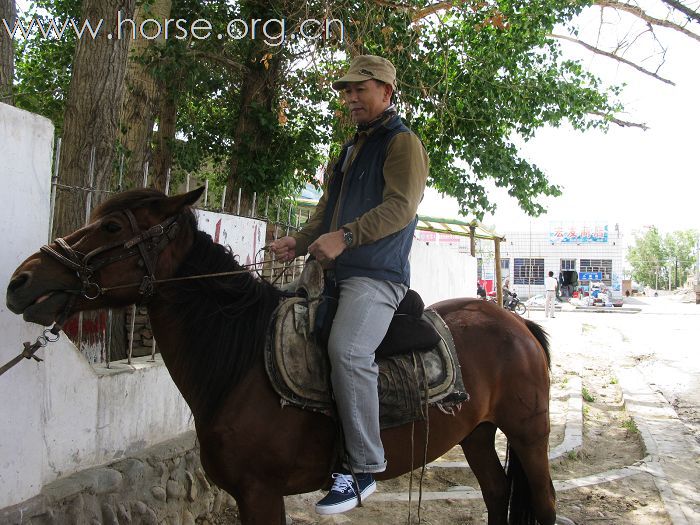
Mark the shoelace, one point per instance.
(342, 483)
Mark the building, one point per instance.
(578, 253)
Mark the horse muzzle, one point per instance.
(36, 304)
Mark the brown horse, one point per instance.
(211, 333)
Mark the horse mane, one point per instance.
(542, 336)
(137, 198)
(223, 322)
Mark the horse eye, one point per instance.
(111, 227)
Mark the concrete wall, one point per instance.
(441, 272)
(62, 415)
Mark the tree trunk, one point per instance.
(141, 98)
(167, 126)
(8, 13)
(92, 111)
(257, 93)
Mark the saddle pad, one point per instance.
(299, 370)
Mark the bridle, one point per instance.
(147, 243)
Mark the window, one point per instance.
(505, 271)
(568, 264)
(479, 268)
(528, 271)
(603, 266)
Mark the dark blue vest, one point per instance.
(387, 258)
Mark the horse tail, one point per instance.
(542, 336)
(519, 499)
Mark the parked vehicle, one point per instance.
(511, 301)
(514, 304)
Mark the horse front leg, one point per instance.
(259, 504)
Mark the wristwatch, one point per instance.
(347, 237)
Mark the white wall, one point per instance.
(440, 272)
(25, 159)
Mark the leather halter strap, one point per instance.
(86, 265)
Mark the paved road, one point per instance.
(655, 356)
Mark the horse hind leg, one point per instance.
(532, 491)
(480, 451)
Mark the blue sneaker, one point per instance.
(343, 494)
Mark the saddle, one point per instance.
(418, 366)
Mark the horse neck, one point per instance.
(211, 332)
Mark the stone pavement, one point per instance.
(673, 456)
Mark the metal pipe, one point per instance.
(252, 208)
(267, 206)
(289, 218)
(206, 192)
(121, 173)
(145, 174)
(91, 176)
(131, 333)
(167, 182)
(108, 338)
(238, 203)
(54, 182)
(187, 185)
(223, 199)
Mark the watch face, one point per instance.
(348, 238)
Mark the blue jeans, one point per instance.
(365, 309)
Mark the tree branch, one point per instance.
(429, 10)
(621, 123)
(640, 13)
(687, 11)
(221, 60)
(608, 54)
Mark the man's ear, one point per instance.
(175, 204)
(388, 91)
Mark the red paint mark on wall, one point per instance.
(91, 327)
(217, 232)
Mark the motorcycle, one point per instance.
(512, 303)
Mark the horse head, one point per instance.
(131, 240)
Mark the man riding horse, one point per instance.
(361, 232)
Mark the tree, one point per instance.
(142, 95)
(92, 110)
(8, 15)
(657, 260)
(680, 255)
(475, 79)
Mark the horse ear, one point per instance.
(175, 204)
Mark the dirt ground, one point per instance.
(610, 441)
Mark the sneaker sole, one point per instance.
(346, 505)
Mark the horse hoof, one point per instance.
(561, 520)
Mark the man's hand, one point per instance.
(284, 248)
(328, 246)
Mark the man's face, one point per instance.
(366, 100)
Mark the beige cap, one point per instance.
(365, 67)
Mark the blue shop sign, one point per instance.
(590, 276)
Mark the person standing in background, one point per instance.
(550, 284)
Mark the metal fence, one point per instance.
(94, 333)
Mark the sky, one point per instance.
(626, 176)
